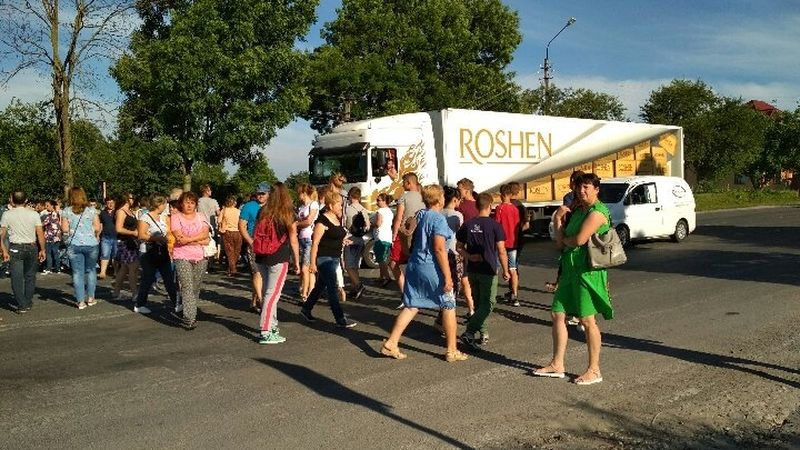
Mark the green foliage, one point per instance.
(781, 150)
(724, 140)
(741, 198)
(27, 153)
(397, 56)
(213, 79)
(251, 173)
(580, 103)
(678, 102)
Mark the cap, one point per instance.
(263, 187)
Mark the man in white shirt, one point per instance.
(25, 249)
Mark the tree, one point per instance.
(32, 35)
(781, 150)
(678, 102)
(214, 79)
(27, 159)
(580, 103)
(251, 173)
(395, 56)
(725, 140)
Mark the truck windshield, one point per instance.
(612, 192)
(353, 165)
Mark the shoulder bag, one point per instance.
(605, 250)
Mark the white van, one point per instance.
(644, 207)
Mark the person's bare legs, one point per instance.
(450, 329)
(305, 282)
(513, 283)
(355, 280)
(560, 337)
(255, 302)
(103, 268)
(384, 269)
(467, 291)
(398, 275)
(593, 344)
(400, 324)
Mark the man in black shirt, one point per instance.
(108, 237)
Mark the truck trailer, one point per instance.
(492, 149)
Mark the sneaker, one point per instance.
(271, 337)
(141, 309)
(573, 321)
(467, 338)
(483, 339)
(515, 301)
(359, 291)
(23, 310)
(46, 272)
(401, 305)
(307, 315)
(91, 302)
(346, 323)
(81, 305)
(179, 307)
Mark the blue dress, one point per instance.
(424, 285)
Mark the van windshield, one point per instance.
(612, 192)
(353, 165)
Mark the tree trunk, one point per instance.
(186, 168)
(63, 133)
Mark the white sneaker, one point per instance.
(141, 309)
(179, 308)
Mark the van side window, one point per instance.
(644, 194)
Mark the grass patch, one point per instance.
(709, 201)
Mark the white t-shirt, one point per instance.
(384, 232)
(156, 228)
(302, 213)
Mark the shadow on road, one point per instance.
(763, 236)
(693, 356)
(332, 389)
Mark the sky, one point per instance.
(625, 48)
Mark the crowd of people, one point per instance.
(438, 245)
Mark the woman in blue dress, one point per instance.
(429, 284)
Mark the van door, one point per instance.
(643, 211)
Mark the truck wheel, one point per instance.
(681, 231)
(624, 235)
(368, 256)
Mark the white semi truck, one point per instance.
(491, 149)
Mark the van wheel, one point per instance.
(624, 235)
(368, 256)
(681, 231)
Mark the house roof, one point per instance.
(763, 107)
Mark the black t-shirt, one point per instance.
(283, 254)
(331, 242)
(109, 224)
(481, 235)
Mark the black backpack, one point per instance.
(359, 226)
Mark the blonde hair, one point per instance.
(308, 190)
(157, 200)
(332, 197)
(77, 200)
(432, 195)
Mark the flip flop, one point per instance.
(540, 373)
(581, 382)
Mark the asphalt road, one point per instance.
(704, 352)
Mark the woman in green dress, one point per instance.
(582, 292)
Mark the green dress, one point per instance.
(582, 292)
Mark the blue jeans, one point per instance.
(150, 266)
(83, 261)
(108, 247)
(326, 279)
(53, 254)
(23, 266)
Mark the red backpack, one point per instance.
(265, 238)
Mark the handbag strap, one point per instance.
(71, 238)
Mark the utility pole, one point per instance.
(546, 67)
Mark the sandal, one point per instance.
(543, 372)
(580, 381)
(91, 302)
(455, 356)
(396, 354)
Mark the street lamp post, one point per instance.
(546, 67)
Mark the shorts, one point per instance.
(305, 252)
(512, 259)
(397, 255)
(381, 250)
(352, 254)
(251, 259)
(108, 248)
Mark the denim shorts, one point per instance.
(512, 259)
(352, 254)
(108, 247)
(305, 252)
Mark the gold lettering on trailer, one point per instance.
(503, 146)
